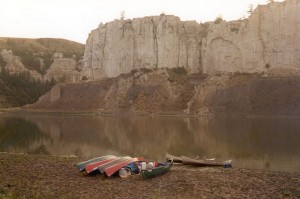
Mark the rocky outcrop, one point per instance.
(14, 65)
(63, 70)
(269, 41)
(151, 42)
(44, 58)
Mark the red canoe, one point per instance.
(112, 163)
(94, 166)
(109, 171)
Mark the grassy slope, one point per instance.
(43, 45)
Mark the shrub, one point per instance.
(179, 71)
(146, 70)
(267, 66)
(218, 20)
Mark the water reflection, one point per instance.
(262, 143)
(17, 134)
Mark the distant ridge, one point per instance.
(67, 47)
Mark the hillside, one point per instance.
(172, 91)
(28, 67)
(43, 45)
(32, 50)
(160, 64)
(20, 89)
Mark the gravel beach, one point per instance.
(42, 176)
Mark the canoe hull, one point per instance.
(112, 163)
(156, 171)
(113, 169)
(94, 166)
(205, 163)
(81, 166)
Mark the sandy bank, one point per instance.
(40, 176)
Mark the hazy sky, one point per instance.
(74, 19)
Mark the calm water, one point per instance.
(260, 143)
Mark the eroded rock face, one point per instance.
(268, 41)
(63, 70)
(151, 42)
(14, 64)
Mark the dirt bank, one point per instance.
(40, 176)
(171, 91)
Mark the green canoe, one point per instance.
(159, 170)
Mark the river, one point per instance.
(255, 143)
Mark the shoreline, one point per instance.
(44, 176)
(22, 111)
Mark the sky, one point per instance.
(74, 19)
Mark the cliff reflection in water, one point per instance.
(252, 143)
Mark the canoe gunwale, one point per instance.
(156, 171)
(112, 163)
(81, 165)
(109, 171)
(212, 163)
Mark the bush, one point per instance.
(267, 66)
(179, 71)
(218, 20)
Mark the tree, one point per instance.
(250, 7)
(122, 15)
(218, 20)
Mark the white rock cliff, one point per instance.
(151, 42)
(269, 41)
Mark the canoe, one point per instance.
(81, 165)
(94, 166)
(112, 163)
(194, 162)
(176, 159)
(156, 171)
(109, 171)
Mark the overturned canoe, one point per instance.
(175, 159)
(190, 161)
(109, 171)
(94, 166)
(156, 171)
(81, 165)
(112, 163)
